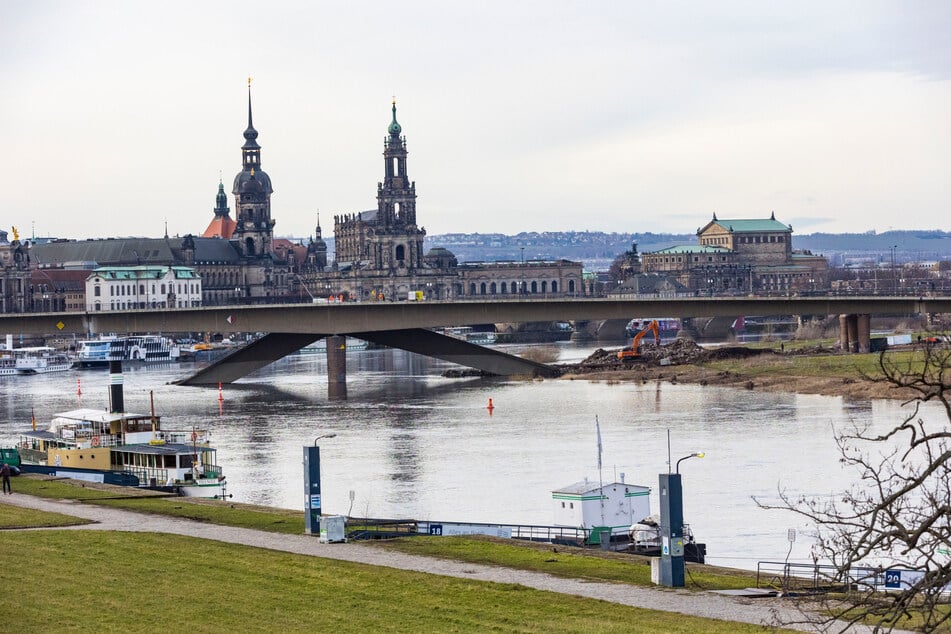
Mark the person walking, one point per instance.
(5, 473)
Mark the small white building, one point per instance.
(588, 505)
(140, 287)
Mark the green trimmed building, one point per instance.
(738, 257)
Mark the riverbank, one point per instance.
(256, 572)
(810, 369)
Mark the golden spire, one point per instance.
(249, 81)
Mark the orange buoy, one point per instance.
(79, 387)
(490, 406)
(221, 397)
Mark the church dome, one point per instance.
(441, 258)
(256, 182)
(394, 129)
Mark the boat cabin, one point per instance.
(587, 504)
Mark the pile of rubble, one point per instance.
(679, 352)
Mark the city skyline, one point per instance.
(530, 117)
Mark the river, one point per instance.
(412, 444)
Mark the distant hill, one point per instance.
(598, 249)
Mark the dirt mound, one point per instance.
(681, 351)
(734, 352)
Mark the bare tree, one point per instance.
(898, 514)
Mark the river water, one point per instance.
(412, 444)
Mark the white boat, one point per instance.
(8, 363)
(466, 333)
(40, 360)
(97, 353)
(126, 449)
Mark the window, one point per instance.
(97, 291)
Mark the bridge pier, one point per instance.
(855, 332)
(336, 368)
(580, 332)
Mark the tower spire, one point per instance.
(250, 126)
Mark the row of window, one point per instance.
(129, 289)
(507, 288)
(181, 303)
(680, 258)
(759, 239)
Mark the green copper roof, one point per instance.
(744, 226)
(395, 127)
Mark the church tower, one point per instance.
(252, 195)
(401, 246)
(396, 195)
(221, 226)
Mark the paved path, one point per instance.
(762, 611)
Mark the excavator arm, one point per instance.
(634, 351)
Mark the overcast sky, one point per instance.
(623, 116)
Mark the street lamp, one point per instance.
(312, 486)
(323, 436)
(698, 454)
(894, 273)
(672, 526)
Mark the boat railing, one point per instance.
(199, 437)
(211, 471)
(145, 474)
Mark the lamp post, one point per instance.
(672, 526)
(312, 486)
(697, 454)
(894, 273)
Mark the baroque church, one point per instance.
(379, 253)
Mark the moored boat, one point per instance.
(97, 353)
(40, 360)
(119, 447)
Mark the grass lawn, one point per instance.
(17, 517)
(846, 366)
(562, 561)
(144, 582)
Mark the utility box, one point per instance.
(333, 529)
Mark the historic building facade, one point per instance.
(379, 253)
(138, 287)
(236, 260)
(15, 288)
(739, 256)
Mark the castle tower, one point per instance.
(318, 249)
(252, 195)
(401, 244)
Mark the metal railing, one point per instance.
(792, 577)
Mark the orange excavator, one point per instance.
(629, 354)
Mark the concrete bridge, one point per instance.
(406, 325)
